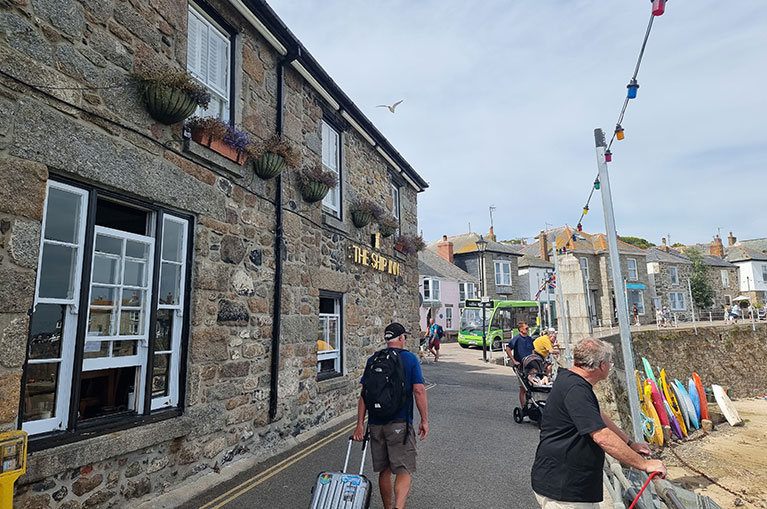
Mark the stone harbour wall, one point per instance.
(103, 137)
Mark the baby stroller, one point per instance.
(535, 395)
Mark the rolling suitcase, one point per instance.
(341, 490)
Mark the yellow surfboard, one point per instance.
(672, 402)
(649, 410)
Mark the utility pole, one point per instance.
(620, 300)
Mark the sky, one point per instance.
(501, 99)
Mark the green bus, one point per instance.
(501, 318)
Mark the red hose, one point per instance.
(643, 487)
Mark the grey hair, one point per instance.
(589, 353)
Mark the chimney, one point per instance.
(664, 247)
(543, 240)
(731, 240)
(716, 248)
(491, 235)
(445, 249)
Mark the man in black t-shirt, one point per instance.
(575, 435)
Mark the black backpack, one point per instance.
(384, 391)
(440, 332)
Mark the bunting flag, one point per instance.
(551, 283)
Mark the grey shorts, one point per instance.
(388, 450)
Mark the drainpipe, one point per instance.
(279, 247)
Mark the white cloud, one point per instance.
(501, 99)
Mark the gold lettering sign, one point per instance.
(367, 258)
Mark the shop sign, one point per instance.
(369, 258)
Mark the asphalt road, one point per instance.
(474, 457)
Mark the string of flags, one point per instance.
(550, 283)
(658, 8)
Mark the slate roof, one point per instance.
(744, 254)
(467, 243)
(715, 261)
(595, 243)
(430, 264)
(756, 244)
(655, 254)
(532, 261)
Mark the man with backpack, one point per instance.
(435, 335)
(391, 381)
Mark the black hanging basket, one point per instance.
(269, 165)
(313, 191)
(168, 105)
(361, 218)
(387, 231)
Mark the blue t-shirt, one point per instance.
(433, 331)
(522, 346)
(413, 376)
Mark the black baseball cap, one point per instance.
(394, 330)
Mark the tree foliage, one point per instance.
(637, 241)
(700, 285)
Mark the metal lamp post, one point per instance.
(481, 247)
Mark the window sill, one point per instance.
(333, 223)
(331, 382)
(208, 157)
(58, 452)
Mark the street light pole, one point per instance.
(481, 247)
(620, 297)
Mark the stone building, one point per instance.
(669, 272)
(750, 256)
(592, 254)
(498, 264)
(723, 275)
(157, 318)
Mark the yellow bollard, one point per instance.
(13, 453)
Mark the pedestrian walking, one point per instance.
(518, 348)
(635, 312)
(434, 336)
(576, 434)
(392, 380)
(659, 317)
(735, 313)
(666, 316)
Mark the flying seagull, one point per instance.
(392, 107)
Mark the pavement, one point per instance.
(475, 455)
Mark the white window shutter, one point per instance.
(218, 65)
(195, 30)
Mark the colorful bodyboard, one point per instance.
(684, 400)
(656, 435)
(648, 370)
(701, 396)
(657, 402)
(693, 392)
(672, 402)
(672, 419)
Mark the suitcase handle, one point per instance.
(364, 451)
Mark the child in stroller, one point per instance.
(532, 376)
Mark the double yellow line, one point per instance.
(270, 472)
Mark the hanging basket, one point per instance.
(387, 231)
(269, 165)
(168, 105)
(313, 191)
(361, 219)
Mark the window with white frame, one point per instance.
(676, 300)
(764, 272)
(632, 269)
(329, 337)
(502, 274)
(584, 267)
(431, 290)
(674, 275)
(725, 278)
(449, 317)
(395, 201)
(331, 161)
(112, 276)
(466, 291)
(208, 50)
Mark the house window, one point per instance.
(674, 274)
(449, 317)
(725, 279)
(676, 300)
(395, 201)
(466, 291)
(636, 297)
(431, 290)
(208, 50)
(764, 272)
(329, 338)
(728, 300)
(331, 158)
(632, 266)
(584, 267)
(106, 286)
(502, 274)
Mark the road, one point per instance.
(475, 455)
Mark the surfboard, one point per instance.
(639, 386)
(726, 406)
(701, 396)
(682, 406)
(649, 411)
(648, 370)
(657, 402)
(672, 419)
(693, 392)
(687, 402)
(672, 402)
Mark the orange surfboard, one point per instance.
(701, 395)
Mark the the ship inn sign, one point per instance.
(369, 258)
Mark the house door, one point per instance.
(117, 336)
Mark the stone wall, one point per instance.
(104, 137)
